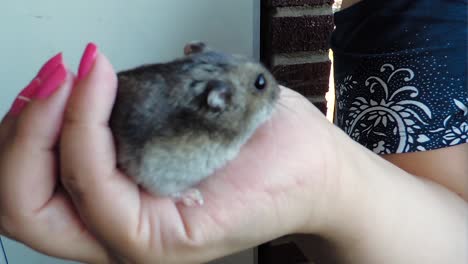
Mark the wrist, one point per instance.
(350, 181)
(329, 196)
(376, 211)
(341, 192)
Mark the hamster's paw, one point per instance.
(191, 197)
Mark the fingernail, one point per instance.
(87, 61)
(24, 97)
(50, 66)
(32, 88)
(52, 82)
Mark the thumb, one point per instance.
(100, 193)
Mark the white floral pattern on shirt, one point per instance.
(393, 119)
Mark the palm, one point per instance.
(253, 199)
(244, 199)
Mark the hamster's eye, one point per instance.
(261, 82)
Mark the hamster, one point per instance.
(175, 123)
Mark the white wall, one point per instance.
(128, 32)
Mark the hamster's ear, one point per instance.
(194, 47)
(219, 95)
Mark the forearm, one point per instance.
(447, 166)
(385, 215)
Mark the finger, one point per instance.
(25, 96)
(57, 230)
(106, 200)
(28, 152)
(31, 208)
(28, 164)
(30, 90)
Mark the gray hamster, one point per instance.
(175, 123)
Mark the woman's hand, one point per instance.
(298, 173)
(34, 209)
(277, 185)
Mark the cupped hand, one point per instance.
(34, 208)
(279, 184)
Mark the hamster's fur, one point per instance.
(175, 123)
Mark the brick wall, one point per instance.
(294, 45)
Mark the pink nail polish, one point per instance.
(32, 88)
(87, 61)
(50, 66)
(24, 97)
(52, 82)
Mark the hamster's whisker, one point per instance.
(271, 127)
(289, 96)
(286, 107)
